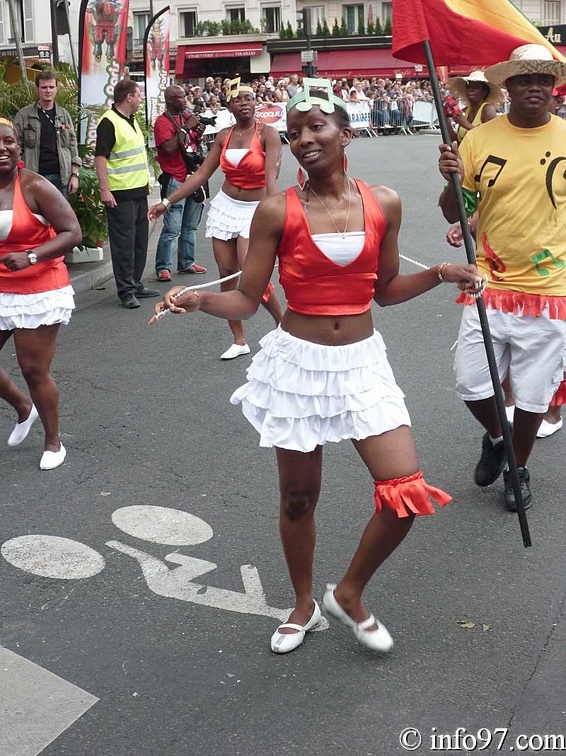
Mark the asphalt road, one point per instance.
(141, 581)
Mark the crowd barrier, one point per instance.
(368, 117)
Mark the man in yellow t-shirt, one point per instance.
(512, 172)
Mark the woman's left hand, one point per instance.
(15, 261)
(466, 277)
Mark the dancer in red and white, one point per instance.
(323, 374)
(249, 154)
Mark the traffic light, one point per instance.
(304, 23)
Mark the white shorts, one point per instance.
(533, 348)
(34, 310)
(229, 218)
(300, 395)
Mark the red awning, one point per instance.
(219, 50)
(347, 63)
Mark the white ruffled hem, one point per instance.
(296, 401)
(229, 218)
(34, 310)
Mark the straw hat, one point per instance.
(458, 87)
(528, 59)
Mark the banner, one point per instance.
(156, 65)
(103, 28)
(462, 32)
(272, 114)
(359, 114)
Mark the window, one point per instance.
(271, 19)
(552, 15)
(317, 16)
(386, 12)
(141, 21)
(3, 18)
(236, 14)
(188, 23)
(27, 20)
(354, 15)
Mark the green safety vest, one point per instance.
(127, 165)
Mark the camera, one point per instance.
(207, 121)
(451, 107)
(193, 159)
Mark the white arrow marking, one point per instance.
(36, 706)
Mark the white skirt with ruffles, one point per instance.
(34, 310)
(229, 218)
(300, 395)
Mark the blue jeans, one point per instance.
(181, 222)
(55, 179)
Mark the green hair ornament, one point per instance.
(304, 100)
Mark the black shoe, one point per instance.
(491, 464)
(525, 481)
(145, 293)
(130, 302)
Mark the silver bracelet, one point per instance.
(166, 203)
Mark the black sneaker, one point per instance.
(130, 302)
(145, 292)
(491, 464)
(525, 481)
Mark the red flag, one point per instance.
(462, 32)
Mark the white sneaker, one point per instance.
(510, 412)
(547, 429)
(236, 350)
(21, 430)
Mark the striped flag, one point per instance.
(462, 32)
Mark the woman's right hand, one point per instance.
(156, 211)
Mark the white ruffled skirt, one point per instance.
(300, 395)
(229, 218)
(34, 310)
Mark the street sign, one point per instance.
(309, 56)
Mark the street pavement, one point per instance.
(141, 580)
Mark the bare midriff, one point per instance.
(244, 195)
(330, 330)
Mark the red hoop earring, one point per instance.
(301, 179)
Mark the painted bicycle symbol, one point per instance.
(174, 577)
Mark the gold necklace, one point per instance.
(342, 233)
(239, 133)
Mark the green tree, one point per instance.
(378, 29)
(290, 32)
(318, 28)
(371, 28)
(335, 28)
(361, 26)
(387, 27)
(343, 28)
(325, 29)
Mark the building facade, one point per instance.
(226, 37)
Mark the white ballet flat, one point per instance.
(282, 643)
(547, 429)
(376, 640)
(50, 460)
(510, 413)
(236, 350)
(21, 430)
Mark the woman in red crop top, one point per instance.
(37, 227)
(323, 374)
(249, 154)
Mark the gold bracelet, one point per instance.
(439, 272)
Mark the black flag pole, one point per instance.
(471, 256)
